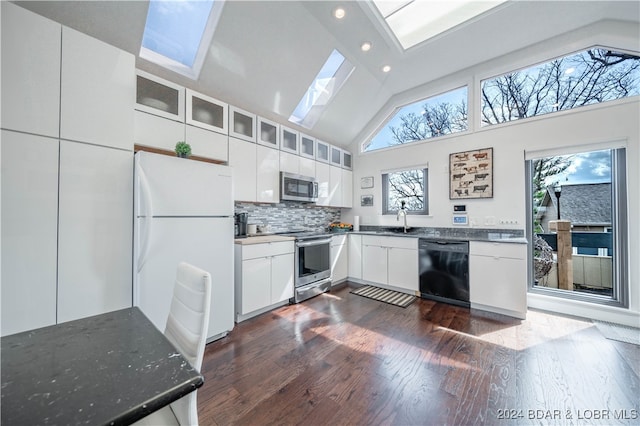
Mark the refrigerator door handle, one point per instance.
(145, 236)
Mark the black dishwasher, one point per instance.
(444, 271)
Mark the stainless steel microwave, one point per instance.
(298, 188)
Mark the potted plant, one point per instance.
(183, 149)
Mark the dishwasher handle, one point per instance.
(444, 245)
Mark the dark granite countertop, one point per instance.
(449, 234)
(113, 368)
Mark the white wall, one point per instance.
(614, 122)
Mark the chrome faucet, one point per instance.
(403, 212)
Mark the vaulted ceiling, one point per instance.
(264, 54)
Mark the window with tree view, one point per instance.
(428, 118)
(588, 77)
(409, 186)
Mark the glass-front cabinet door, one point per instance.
(159, 97)
(242, 124)
(268, 133)
(347, 160)
(322, 151)
(206, 112)
(289, 140)
(307, 146)
(336, 156)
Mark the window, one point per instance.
(177, 34)
(586, 259)
(409, 186)
(589, 77)
(322, 89)
(428, 118)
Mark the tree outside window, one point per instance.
(589, 77)
(409, 186)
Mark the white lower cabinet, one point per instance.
(66, 230)
(374, 262)
(29, 231)
(95, 230)
(390, 261)
(282, 277)
(498, 277)
(263, 277)
(339, 259)
(403, 267)
(355, 256)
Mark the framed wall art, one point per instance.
(366, 200)
(471, 174)
(366, 182)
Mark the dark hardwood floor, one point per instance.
(343, 359)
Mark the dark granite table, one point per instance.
(113, 368)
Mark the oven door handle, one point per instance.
(313, 242)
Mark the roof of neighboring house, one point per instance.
(582, 204)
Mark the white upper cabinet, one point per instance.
(347, 188)
(289, 140)
(206, 112)
(206, 144)
(335, 156)
(31, 54)
(268, 133)
(307, 146)
(322, 151)
(323, 177)
(347, 160)
(97, 92)
(289, 163)
(160, 97)
(157, 132)
(242, 124)
(267, 174)
(335, 186)
(307, 167)
(242, 158)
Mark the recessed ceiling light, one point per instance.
(339, 13)
(366, 46)
(386, 68)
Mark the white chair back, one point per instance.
(187, 327)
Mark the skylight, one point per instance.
(178, 32)
(414, 21)
(322, 89)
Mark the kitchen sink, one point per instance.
(394, 230)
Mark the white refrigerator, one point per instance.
(183, 212)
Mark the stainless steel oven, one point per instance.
(312, 266)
